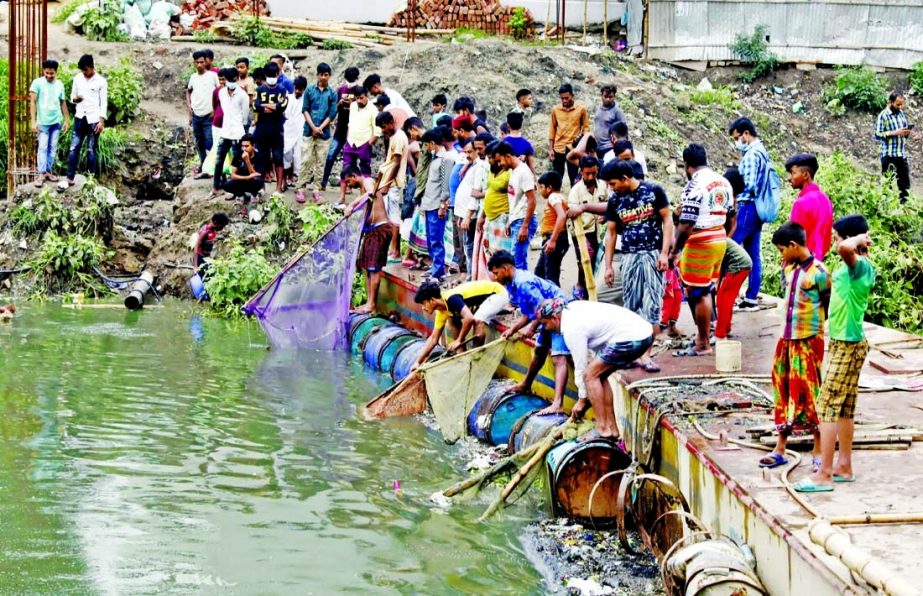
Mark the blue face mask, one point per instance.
(741, 146)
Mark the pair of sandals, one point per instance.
(805, 485)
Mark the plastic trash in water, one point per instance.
(197, 285)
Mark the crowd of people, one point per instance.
(465, 193)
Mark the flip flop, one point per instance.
(689, 353)
(773, 460)
(650, 366)
(594, 435)
(806, 485)
(844, 478)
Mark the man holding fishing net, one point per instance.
(616, 335)
(469, 305)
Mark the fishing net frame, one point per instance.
(306, 304)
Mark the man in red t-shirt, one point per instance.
(812, 208)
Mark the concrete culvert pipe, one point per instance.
(139, 290)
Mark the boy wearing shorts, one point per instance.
(836, 404)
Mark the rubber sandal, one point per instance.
(806, 485)
(773, 460)
(844, 478)
(650, 366)
(594, 435)
(408, 263)
(689, 353)
(394, 260)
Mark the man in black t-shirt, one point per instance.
(270, 103)
(247, 171)
(639, 212)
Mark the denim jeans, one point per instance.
(469, 246)
(336, 146)
(48, 135)
(747, 234)
(549, 265)
(521, 249)
(82, 130)
(224, 146)
(435, 241)
(202, 132)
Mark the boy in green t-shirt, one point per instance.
(49, 116)
(848, 348)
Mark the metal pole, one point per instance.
(562, 31)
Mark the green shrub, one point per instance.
(101, 23)
(856, 88)
(916, 78)
(66, 257)
(232, 280)
(252, 31)
(204, 36)
(719, 96)
(24, 220)
(335, 44)
(111, 143)
(315, 220)
(90, 213)
(519, 23)
(897, 254)
(753, 50)
(126, 89)
(66, 10)
(280, 219)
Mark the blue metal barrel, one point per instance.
(531, 429)
(390, 352)
(407, 356)
(378, 340)
(356, 319)
(493, 416)
(363, 330)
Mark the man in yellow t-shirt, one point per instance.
(471, 304)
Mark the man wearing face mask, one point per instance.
(754, 167)
(235, 104)
(892, 131)
(270, 104)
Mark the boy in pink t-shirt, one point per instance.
(812, 209)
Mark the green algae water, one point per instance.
(168, 452)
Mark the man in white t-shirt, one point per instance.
(521, 191)
(393, 177)
(235, 105)
(616, 335)
(90, 93)
(199, 92)
(372, 84)
(467, 198)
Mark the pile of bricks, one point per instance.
(486, 15)
(208, 12)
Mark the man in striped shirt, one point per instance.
(892, 131)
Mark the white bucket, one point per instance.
(727, 356)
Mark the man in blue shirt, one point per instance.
(892, 131)
(284, 82)
(526, 292)
(319, 110)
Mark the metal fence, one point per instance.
(28, 47)
(886, 33)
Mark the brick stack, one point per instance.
(208, 12)
(486, 15)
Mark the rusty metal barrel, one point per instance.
(575, 468)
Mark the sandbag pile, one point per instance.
(486, 15)
(200, 14)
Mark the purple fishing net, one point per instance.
(306, 305)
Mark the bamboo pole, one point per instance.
(585, 3)
(606, 22)
(877, 518)
(544, 447)
(548, 21)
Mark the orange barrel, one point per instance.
(574, 468)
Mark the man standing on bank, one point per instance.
(892, 131)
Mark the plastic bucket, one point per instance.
(407, 356)
(363, 330)
(494, 415)
(356, 319)
(531, 429)
(390, 352)
(378, 340)
(197, 286)
(727, 355)
(575, 468)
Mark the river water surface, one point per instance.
(169, 452)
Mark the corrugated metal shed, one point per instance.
(887, 33)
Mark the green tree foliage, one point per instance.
(916, 78)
